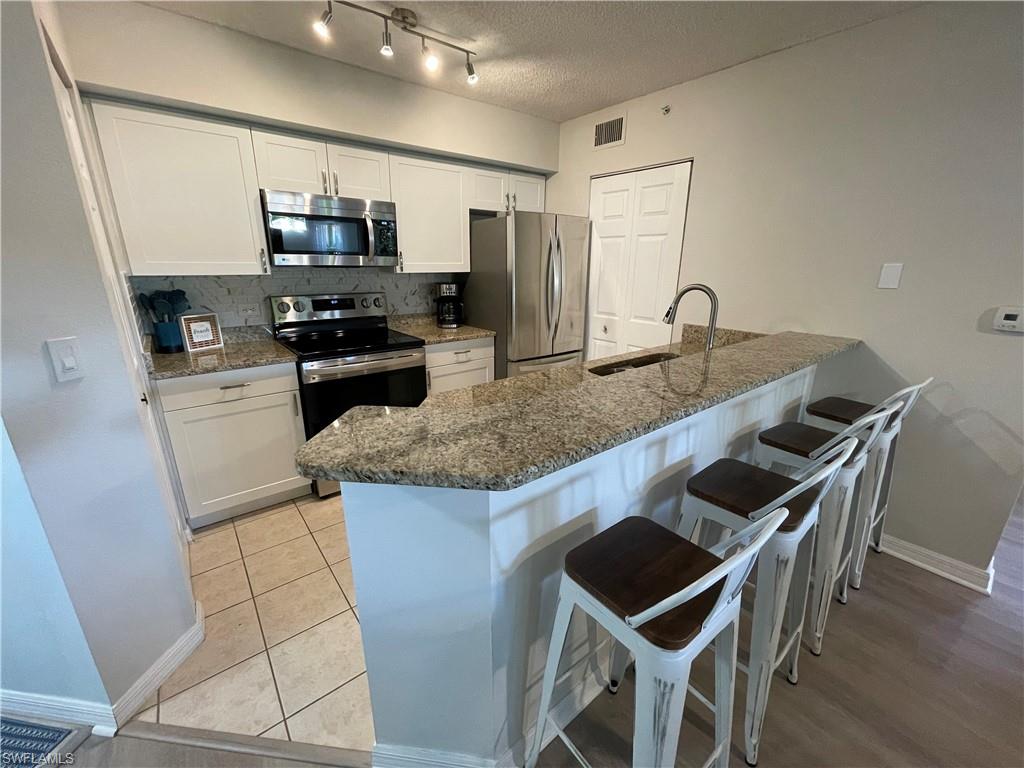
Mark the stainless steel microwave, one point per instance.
(306, 230)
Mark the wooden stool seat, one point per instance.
(637, 563)
(840, 409)
(799, 439)
(743, 488)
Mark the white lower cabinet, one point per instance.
(459, 364)
(235, 451)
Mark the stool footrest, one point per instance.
(568, 744)
(700, 697)
(714, 755)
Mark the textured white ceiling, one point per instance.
(556, 60)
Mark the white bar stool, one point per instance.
(832, 410)
(666, 600)
(731, 493)
(794, 446)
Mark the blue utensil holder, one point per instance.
(167, 337)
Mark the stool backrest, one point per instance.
(909, 397)
(874, 421)
(733, 570)
(820, 473)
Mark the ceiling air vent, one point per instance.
(610, 133)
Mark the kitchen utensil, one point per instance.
(147, 304)
(163, 310)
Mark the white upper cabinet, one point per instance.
(432, 205)
(185, 192)
(487, 190)
(527, 192)
(359, 172)
(291, 164)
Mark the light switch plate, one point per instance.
(890, 275)
(66, 358)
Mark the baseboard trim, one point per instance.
(57, 709)
(394, 756)
(133, 699)
(970, 576)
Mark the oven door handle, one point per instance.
(371, 246)
(362, 367)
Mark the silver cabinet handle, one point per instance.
(323, 175)
(263, 261)
(336, 187)
(428, 379)
(604, 329)
(507, 204)
(237, 386)
(463, 352)
(295, 403)
(513, 201)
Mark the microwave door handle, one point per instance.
(371, 246)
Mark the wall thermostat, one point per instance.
(1009, 319)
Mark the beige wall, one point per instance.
(132, 49)
(897, 141)
(81, 444)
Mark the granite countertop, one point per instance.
(425, 327)
(253, 346)
(503, 434)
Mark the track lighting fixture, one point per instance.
(385, 44)
(320, 26)
(430, 60)
(406, 21)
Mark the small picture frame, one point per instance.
(201, 332)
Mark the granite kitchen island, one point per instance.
(460, 512)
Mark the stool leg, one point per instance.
(879, 524)
(862, 534)
(617, 667)
(796, 603)
(563, 613)
(660, 696)
(832, 522)
(725, 685)
(774, 572)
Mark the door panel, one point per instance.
(528, 191)
(185, 191)
(291, 164)
(572, 239)
(533, 241)
(638, 220)
(357, 172)
(433, 214)
(488, 190)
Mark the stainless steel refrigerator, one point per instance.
(529, 284)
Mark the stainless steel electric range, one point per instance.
(347, 356)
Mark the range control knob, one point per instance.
(283, 307)
(299, 306)
(365, 302)
(378, 302)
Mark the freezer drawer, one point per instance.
(544, 363)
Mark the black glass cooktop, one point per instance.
(313, 344)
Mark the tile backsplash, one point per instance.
(228, 294)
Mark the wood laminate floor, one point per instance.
(915, 671)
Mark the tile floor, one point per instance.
(283, 655)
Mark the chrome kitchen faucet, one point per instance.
(670, 316)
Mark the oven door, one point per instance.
(327, 231)
(329, 388)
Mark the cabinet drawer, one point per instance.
(226, 386)
(444, 378)
(459, 352)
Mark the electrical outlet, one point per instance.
(250, 313)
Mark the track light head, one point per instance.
(471, 76)
(385, 42)
(430, 60)
(320, 25)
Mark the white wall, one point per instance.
(132, 49)
(897, 141)
(43, 650)
(81, 444)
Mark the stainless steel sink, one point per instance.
(636, 362)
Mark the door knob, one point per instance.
(604, 329)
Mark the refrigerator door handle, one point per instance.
(559, 282)
(550, 298)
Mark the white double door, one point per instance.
(638, 221)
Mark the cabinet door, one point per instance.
(487, 190)
(359, 172)
(231, 454)
(185, 192)
(444, 378)
(527, 192)
(291, 164)
(433, 215)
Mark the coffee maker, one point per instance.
(450, 309)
